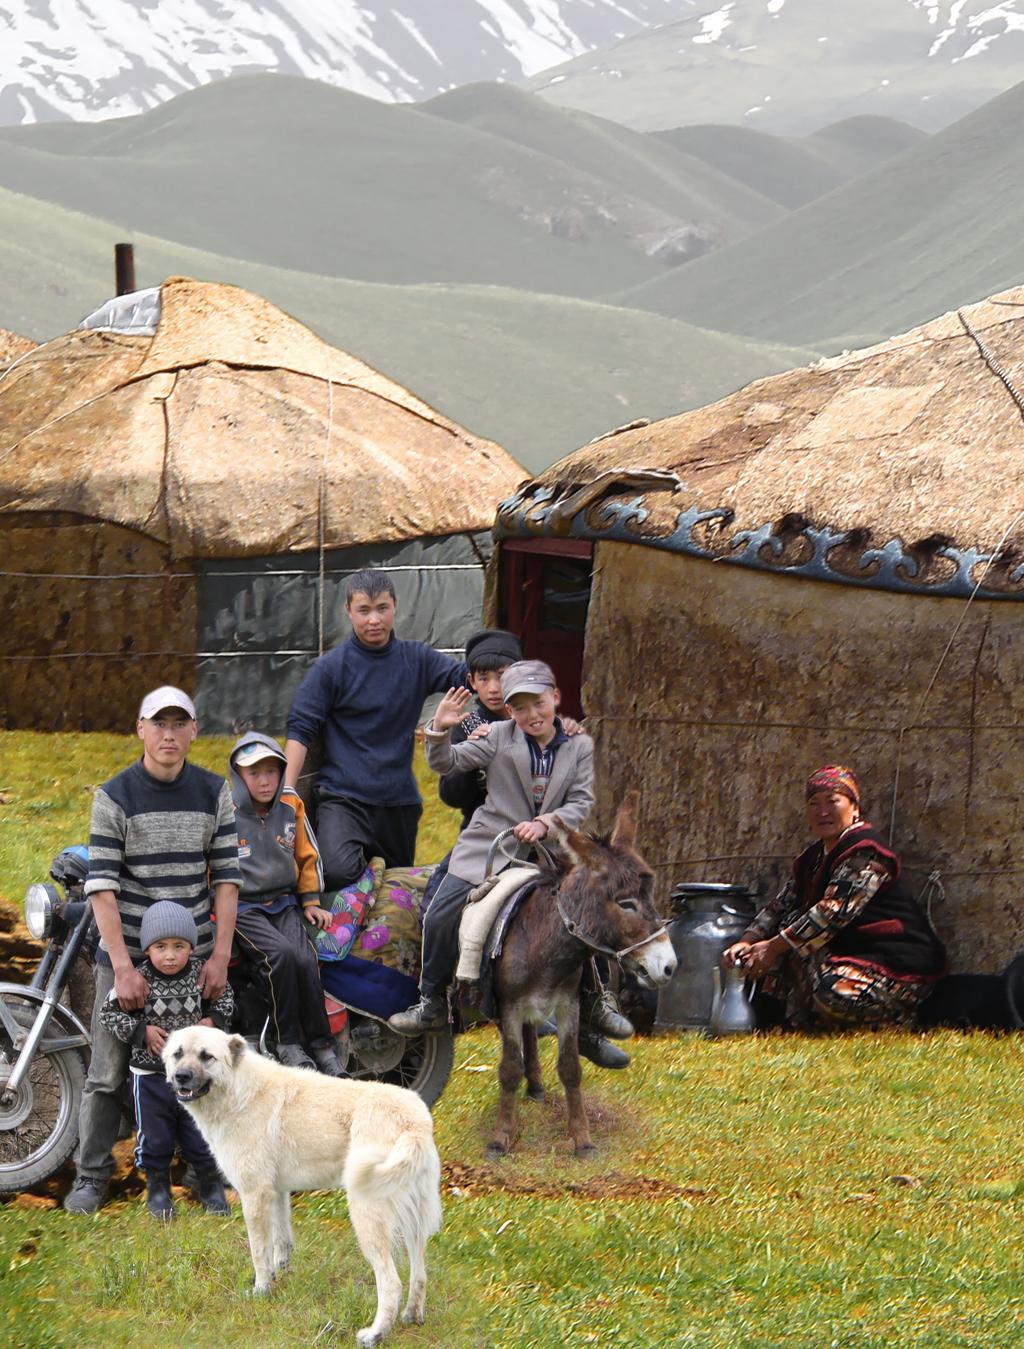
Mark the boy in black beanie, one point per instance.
(168, 937)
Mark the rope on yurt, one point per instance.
(1011, 389)
(321, 520)
(992, 363)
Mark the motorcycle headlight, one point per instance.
(39, 905)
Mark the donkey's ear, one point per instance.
(624, 829)
(573, 845)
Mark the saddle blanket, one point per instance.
(482, 908)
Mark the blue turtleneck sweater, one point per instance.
(365, 703)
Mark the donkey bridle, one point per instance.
(574, 930)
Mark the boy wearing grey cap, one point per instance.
(534, 771)
(168, 937)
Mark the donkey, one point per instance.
(596, 899)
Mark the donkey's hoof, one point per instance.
(535, 1094)
(495, 1151)
(585, 1151)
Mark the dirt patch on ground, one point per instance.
(461, 1178)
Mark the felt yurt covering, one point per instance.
(182, 504)
(824, 567)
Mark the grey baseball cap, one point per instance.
(527, 676)
(166, 696)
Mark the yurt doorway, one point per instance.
(545, 594)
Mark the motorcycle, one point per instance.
(45, 1040)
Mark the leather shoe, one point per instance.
(603, 1015)
(327, 1060)
(429, 1014)
(86, 1195)
(294, 1056)
(601, 1051)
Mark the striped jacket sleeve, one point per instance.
(107, 833)
(223, 858)
(309, 868)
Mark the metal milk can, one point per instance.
(711, 916)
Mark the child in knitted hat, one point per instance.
(174, 1000)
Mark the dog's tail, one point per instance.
(405, 1178)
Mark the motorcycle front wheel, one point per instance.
(39, 1126)
(376, 1053)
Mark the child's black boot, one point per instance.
(158, 1195)
(210, 1192)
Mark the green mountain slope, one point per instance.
(792, 171)
(937, 227)
(790, 67)
(540, 374)
(297, 174)
(686, 186)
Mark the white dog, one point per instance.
(274, 1130)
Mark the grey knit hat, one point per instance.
(167, 919)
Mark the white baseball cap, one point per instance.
(166, 697)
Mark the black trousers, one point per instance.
(441, 935)
(278, 949)
(164, 1126)
(351, 832)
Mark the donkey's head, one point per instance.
(605, 893)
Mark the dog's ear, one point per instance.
(236, 1047)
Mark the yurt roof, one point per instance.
(216, 433)
(13, 346)
(900, 466)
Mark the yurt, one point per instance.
(185, 485)
(825, 566)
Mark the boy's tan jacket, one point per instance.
(505, 756)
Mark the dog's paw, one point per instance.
(414, 1316)
(367, 1337)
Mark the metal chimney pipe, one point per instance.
(124, 268)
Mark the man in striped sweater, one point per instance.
(161, 830)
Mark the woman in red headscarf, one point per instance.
(845, 942)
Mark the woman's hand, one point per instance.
(319, 917)
(453, 708)
(763, 956)
(736, 954)
(530, 831)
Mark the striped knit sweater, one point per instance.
(153, 840)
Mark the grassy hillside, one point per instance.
(293, 173)
(496, 187)
(538, 373)
(787, 68)
(794, 171)
(939, 226)
(686, 186)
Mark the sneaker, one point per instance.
(86, 1195)
(327, 1060)
(601, 1051)
(428, 1014)
(209, 1191)
(158, 1195)
(294, 1056)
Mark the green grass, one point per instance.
(864, 1191)
(861, 1191)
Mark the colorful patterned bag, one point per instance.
(348, 910)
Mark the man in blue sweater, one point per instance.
(364, 700)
